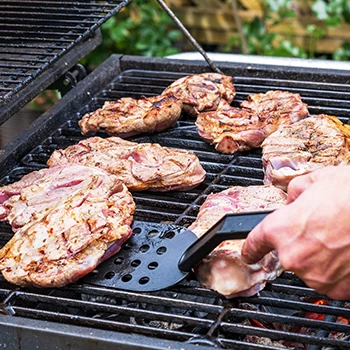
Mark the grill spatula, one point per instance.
(158, 256)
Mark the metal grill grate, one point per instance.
(286, 314)
(34, 35)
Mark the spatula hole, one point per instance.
(127, 246)
(127, 278)
(135, 263)
(153, 265)
(136, 230)
(169, 235)
(109, 275)
(144, 248)
(161, 250)
(119, 260)
(153, 233)
(143, 280)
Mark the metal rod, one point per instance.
(188, 35)
(51, 15)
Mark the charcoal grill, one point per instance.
(186, 316)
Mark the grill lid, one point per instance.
(36, 42)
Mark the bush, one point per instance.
(141, 28)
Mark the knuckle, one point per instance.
(294, 260)
(289, 262)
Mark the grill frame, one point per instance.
(38, 57)
(44, 332)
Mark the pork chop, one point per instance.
(233, 129)
(284, 106)
(127, 116)
(202, 92)
(67, 220)
(141, 166)
(223, 269)
(307, 145)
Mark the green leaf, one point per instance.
(319, 8)
(346, 11)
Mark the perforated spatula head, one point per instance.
(148, 260)
(158, 256)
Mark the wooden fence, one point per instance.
(213, 22)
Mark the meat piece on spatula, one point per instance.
(223, 269)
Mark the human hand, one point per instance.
(311, 234)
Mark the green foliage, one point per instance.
(262, 42)
(343, 53)
(141, 28)
(332, 12)
(278, 10)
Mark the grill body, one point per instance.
(186, 315)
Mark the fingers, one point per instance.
(338, 291)
(299, 184)
(259, 242)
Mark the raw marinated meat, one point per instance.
(223, 269)
(141, 166)
(305, 146)
(127, 116)
(67, 220)
(202, 92)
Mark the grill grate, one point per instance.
(35, 35)
(285, 314)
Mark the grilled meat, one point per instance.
(127, 116)
(223, 269)
(282, 106)
(202, 92)
(302, 147)
(140, 166)
(67, 220)
(233, 129)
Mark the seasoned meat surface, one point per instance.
(202, 92)
(67, 220)
(307, 145)
(233, 129)
(141, 166)
(127, 116)
(282, 106)
(223, 269)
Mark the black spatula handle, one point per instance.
(231, 226)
